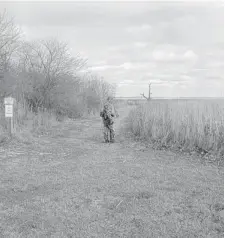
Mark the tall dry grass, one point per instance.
(26, 124)
(190, 125)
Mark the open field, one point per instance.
(163, 176)
(70, 184)
(188, 125)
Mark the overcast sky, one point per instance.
(178, 47)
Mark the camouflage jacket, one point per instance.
(108, 113)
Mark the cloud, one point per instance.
(139, 29)
(128, 81)
(199, 69)
(199, 27)
(100, 62)
(186, 77)
(190, 55)
(130, 46)
(114, 48)
(74, 13)
(171, 44)
(141, 54)
(140, 44)
(159, 55)
(125, 82)
(126, 66)
(173, 79)
(215, 64)
(165, 55)
(133, 66)
(102, 67)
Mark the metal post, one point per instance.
(11, 125)
(9, 114)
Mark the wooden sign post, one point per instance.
(9, 113)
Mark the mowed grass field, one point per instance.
(187, 125)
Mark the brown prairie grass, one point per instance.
(71, 186)
(189, 125)
(26, 124)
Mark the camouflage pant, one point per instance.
(109, 132)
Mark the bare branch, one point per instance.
(9, 37)
(142, 94)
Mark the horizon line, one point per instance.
(165, 97)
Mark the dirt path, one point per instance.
(71, 184)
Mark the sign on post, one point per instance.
(9, 112)
(8, 100)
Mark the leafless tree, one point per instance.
(149, 93)
(50, 58)
(9, 40)
(51, 61)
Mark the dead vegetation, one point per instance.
(191, 126)
(73, 185)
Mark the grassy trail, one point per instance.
(71, 184)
